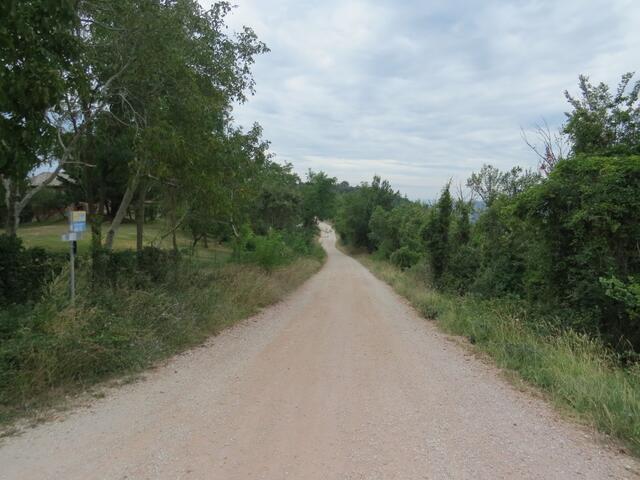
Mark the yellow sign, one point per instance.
(79, 216)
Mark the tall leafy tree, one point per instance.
(603, 122)
(436, 234)
(38, 50)
(318, 197)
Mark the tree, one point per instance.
(436, 234)
(602, 122)
(38, 49)
(357, 207)
(318, 197)
(490, 182)
(586, 221)
(176, 73)
(278, 203)
(486, 183)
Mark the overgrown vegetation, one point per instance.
(581, 375)
(129, 103)
(149, 311)
(24, 272)
(541, 270)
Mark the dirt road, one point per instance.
(341, 381)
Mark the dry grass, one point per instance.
(57, 349)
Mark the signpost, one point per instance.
(77, 225)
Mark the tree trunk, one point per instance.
(173, 219)
(122, 210)
(98, 217)
(196, 239)
(142, 193)
(9, 201)
(206, 242)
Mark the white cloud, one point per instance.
(423, 92)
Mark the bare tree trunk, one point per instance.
(122, 210)
(142, 193)
(97, 217)
(173, 218)
(9, 203)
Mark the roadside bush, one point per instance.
(578, 371)
(404, 257)
(53, 347)
(585, 218)
(271, 251)
(304, 242)
(462, 269)
(268, 251)
(276, 248)
(151, 265)
(25, 271)
(156, 263)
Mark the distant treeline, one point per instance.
(565, 241)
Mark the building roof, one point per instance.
(38, 179)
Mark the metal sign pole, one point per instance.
(77, 225)
(72, 276)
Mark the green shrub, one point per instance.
(268, 251)
(276, 249)
(151, 265)
(579, 372)
(52, 347)
(25, 271)
(585, 219)
(156, 263)
(271, 251)
(404, 257)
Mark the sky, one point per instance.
(422, 92)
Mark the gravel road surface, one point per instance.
(342, 380)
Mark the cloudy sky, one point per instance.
(424, 91)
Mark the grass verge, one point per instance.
(47, 235)
(578, 373)
(52, 349)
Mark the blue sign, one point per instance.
(78, 226)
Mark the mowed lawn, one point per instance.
(48, 235)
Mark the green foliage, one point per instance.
(356, 208)
(278, 203)
(270, 251)
(579, 373)
(436, 234)
(37, 48)
(275, 249)
(48, 202)
(544, 241)
(404, 257)
(586, 219)
(602, 122)
(51, 349)
(499, 243)
(25, 271)
(318, 197)
(120, 268)
(628, 294)
(491, 183)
